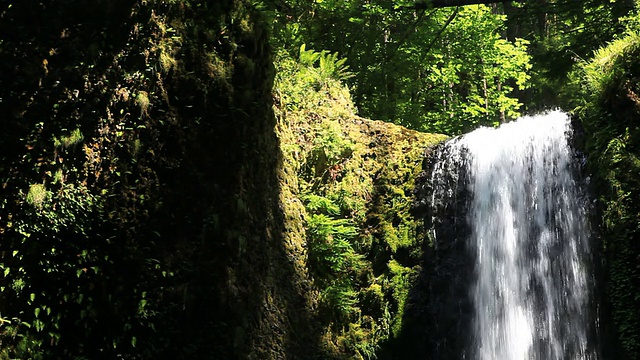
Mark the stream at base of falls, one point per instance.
(531, 283)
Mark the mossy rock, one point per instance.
(350, 168)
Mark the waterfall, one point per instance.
(527, 237)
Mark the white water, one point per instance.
(528, 235)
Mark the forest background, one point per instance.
(451, 69)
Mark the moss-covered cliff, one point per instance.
(609, 109)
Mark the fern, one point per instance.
(320, 205)
(340, 299)
(308, 57)
(328, 65)
(331, 253)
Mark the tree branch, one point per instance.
(433, 41)
(449, 3)
(408, 32)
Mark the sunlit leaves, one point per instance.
(438, 70)
(470, 75)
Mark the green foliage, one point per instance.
(609, 64)
(329, 151)
(37, 195)
(142, 99)
(338, 301)
(328, 65)
(331, 145)
(66, 210)
(316, 204)
(632, 20)
(313, 88)
(453, 69)
(19, 345)
(400, 283)
(69, 207)
(330, 251)
(563, 34)
(66, 141)
(467, 86)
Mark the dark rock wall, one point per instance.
(438, 313)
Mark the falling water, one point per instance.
(530, 289)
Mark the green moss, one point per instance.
(58, 177)
(142, 100)
(67, 141)
(218, 69)
(610, 64)
(37, 195)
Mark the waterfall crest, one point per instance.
(528, 233)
